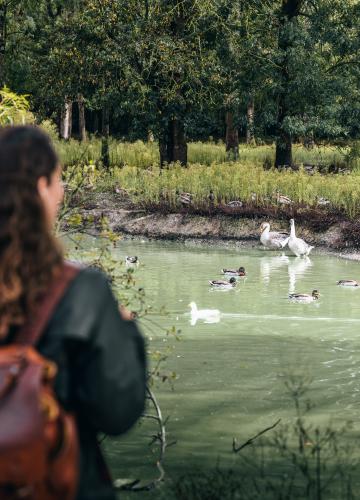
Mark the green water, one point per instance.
(231, 373)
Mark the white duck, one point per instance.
(272, 239)
(207, 315)
(298, 246)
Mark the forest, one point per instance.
(179, 71)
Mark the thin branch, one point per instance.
(160, 438)
(251, 440)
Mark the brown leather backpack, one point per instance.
(38, 439)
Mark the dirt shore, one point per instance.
(334, 235)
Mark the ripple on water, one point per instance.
(229, 371)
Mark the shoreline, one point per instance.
(218, 230)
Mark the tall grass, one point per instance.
(232, 181)
(144, 155)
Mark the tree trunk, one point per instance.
(232, 137)
(3, 13)
(289, 12)
(172, 143)
(105, 154)
(66, 120)
(179, 146)
(96, 122)
(82, 123)
(250, 136)
(283, 154)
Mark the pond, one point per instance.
(231, 372)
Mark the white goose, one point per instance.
(298, 246)
(272, 239)
(207, 315)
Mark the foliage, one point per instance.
(50, 129)
(14, 108)
(150, 62)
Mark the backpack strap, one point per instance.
(31, 332)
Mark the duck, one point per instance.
(323, 202)
(352, 283)
(305, 297)
(207, 315)
(184, 198)
(211, 197)
(272, 239)
(283, 199)
(298, 246)
(234, 204)
(222, 284)
(234, 272)
(131, 260)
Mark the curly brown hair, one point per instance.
(30, 256)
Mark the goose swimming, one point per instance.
(272, 239)
(298, 246)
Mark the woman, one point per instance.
(99, 355)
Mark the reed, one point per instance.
(233, 181)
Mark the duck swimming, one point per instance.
(304, 298)
(298, 246)
(352, 283)
(207, 315)
(234, 272)
(272, 239)
(224, 285)
(131, 260)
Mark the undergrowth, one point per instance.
(144, 155)
(211, 188)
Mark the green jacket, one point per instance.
(101, 371)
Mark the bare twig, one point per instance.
(250, 441)
(160, 438)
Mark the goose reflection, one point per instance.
(296, 269)
(270, 264)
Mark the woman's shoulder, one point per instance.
(84, 301)
(90, 276)
(90, 284)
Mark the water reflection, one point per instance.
(270, 264)
(258, 335)
(297, 269)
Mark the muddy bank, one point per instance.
(242, 229)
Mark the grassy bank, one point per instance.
(144, 155)
(160, 189)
